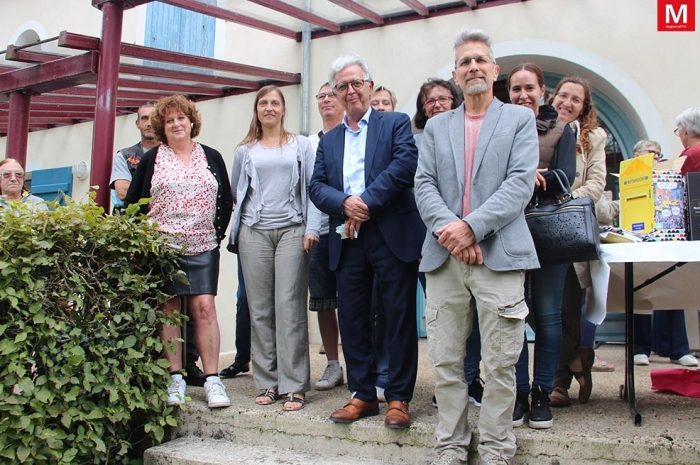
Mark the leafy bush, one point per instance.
(81, 369)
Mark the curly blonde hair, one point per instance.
(175, 102)
(588, 119)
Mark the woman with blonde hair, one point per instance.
(274, 227)
(573, 101)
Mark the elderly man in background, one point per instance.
(363, 180)
(12, 186)
(476, 174)
(688, 131)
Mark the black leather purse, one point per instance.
(564, 229)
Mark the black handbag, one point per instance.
(564, 229)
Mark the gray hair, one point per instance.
(689, 120)
(343, 62)
(644, 145)
(474, 35)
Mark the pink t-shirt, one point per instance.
(472, 126)
(184, 200)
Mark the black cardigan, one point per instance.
(140, 186)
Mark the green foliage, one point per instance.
(81, 367)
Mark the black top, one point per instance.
(564, 157)
(140, 187)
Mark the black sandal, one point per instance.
(268, 397)
(297, 400)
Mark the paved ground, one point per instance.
(668, 419)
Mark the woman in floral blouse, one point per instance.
(191, 202)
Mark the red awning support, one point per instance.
(18, 127)
(106, 99)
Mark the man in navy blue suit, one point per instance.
(363, 179)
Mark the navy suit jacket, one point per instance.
(391, 158)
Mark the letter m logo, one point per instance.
(675, 15)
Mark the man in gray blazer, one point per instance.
(476, 173)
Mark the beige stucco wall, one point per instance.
(647, 74)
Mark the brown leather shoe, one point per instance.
(354, 410)
(397, 415)
(559, 397)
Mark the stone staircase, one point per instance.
(598, 433)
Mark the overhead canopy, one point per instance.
(62, 85)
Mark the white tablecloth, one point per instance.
(679, 289)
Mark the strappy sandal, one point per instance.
(294, 402)
(268, 397)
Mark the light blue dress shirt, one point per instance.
(354, 156)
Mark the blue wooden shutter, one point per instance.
(172, 28)
(49, 184)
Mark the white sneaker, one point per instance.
(449, 457)
(176, 390)
(641, 359)
(380, 393)
(332, 377)
(216, 393)
(492, 459)
(687, 360)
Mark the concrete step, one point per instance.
(200, 451)
(597, 433)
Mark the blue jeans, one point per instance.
(546, 290)
(242, 321)
(668, 337)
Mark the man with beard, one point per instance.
(476, 173)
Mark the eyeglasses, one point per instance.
(677, 130)
(443, 99)
(356, 84)
(324, 95)
(7, 175)
(480, 60)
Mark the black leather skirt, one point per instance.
(202, 273)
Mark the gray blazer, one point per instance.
(503, 181)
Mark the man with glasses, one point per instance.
(323, 297)
(475, 176)
(363, 180)
(12, 185)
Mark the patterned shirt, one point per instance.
(184, 200)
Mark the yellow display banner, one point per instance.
(637, 194)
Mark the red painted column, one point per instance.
(18, 127)
(106, 99)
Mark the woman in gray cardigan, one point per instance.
(274, 227)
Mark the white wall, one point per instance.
(650, 75)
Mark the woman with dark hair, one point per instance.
(546, 284)
(191, 202)
(274, 227)
(434, 97)
(572, 100)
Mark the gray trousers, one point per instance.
(501, 307)
(276, 273)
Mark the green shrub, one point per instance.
(81, 370)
